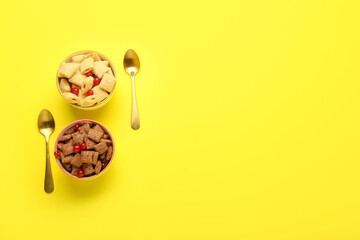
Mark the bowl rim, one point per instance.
(61, 134)
(111, 65)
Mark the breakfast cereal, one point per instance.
(64, 85)
(86, 80)
(107, 82)
(94, 56)
(90, 100)
(100, 69)
(86, 65)
(78, 58)
(67, 69)
(84, 149)
(87, 84)
(77, 78)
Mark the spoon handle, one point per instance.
(49, 183)
(135, 121)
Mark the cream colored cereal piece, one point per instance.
(87, 84)
(75, 86)
(77, 78)
(90, 100)
(106, 63)
(100, 69)
(64, 85)
(94, 56)
(78, 58)
(72, 98)
(101, 93)
(111, 73)
(67, 69)
(86, 65)
(107, 82)
(82, 95)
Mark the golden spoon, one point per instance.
(132, 66)
(46, 125)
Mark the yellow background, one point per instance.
(249, 120)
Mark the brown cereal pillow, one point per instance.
(69, 131)
(109, 153)
(66, 159)
(65, 138)
(95, 135)
(107, 141)
(78, 138)
(85, 128)
(86, 156)
(95, 157)
(90, 144)
(67, 149)
(88, 169)
(101, 148)
(76, 161)
(98, 167)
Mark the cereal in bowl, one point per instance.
(86, 80)
(84, 149)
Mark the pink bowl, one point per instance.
(71, 125)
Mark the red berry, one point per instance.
(76, 127)
(89, 74)
(80, 173)
(57, 154)
(77, 148)
(90, 92)
(103, 165)
(75, 91)
(97, 81)
(83, 146)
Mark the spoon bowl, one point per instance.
(131, 62)
(46, 125)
